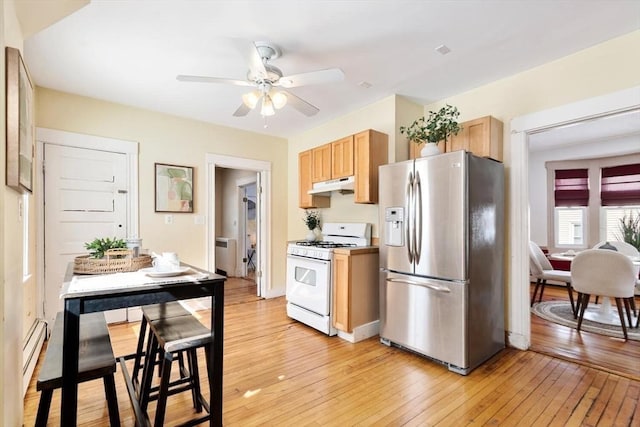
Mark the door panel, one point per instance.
(85, 197)
(425, 315)
(394, 247)
(443, 220)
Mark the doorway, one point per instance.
(260, 175)
(521, 129)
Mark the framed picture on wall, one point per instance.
(173, 188)
(20, 123)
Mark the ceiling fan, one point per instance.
(270, 85)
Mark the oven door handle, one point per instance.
(307, 259)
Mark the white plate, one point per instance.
(152, 272)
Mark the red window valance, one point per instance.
(620, 185)
(571, 187)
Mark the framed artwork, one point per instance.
(20, 123)
(173, 188)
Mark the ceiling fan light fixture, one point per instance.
(251, 99)
(267, 106)
(279, 100)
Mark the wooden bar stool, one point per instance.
(151, 313)
(95, 360)
(175, 336)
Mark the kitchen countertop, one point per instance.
(356, 250)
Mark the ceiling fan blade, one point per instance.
(205, 79)
(242, 111)
(329, 75)
(300, 104)
(249, 50)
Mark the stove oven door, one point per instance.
(309, 283)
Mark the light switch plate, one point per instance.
(168, 219)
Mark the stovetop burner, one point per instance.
(325, 244)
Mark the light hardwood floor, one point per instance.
(607, 353)
(279, 372)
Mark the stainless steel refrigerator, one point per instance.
(442, 258)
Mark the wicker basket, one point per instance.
(114, 261)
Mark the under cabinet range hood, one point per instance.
(343, 185)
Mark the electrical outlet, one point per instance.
(168, 219)
(198, 219)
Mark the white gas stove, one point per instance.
(309, 272)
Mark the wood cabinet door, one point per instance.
(341, 303)
(321, 163)
(306, 200)
(342, 158)
(370, 151)
(304, 179)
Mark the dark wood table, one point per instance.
(89, 294)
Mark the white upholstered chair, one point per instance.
(628, 250)
(622, 247)
(542, 270)
(606, 273)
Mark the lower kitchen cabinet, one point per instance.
(355, 300)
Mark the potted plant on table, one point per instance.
(312, 221)
(430, 130)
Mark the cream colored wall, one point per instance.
(602, 69)
(379, 116)
(169, 139)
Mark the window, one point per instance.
(570, 226)
(24, 213)
(612, 217)
(620, 197)
(571, 195)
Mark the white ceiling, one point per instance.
(130, 52)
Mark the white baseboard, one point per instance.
(31, 352)
(361, 332)
(518, 341)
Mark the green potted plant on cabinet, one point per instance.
(437, 126)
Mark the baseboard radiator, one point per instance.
(225, 256)
(31, 351)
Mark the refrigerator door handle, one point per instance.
(424, 285)
(407, 223)
(417, 228)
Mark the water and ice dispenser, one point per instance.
(394, 226)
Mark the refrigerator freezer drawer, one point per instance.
(425, 316)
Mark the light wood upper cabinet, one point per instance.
(482, 137)
(355, 297)
(342, 158)
(371, 150)
(357, 155)
(321, 161)
(305, 167)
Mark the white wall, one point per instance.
(538, 175)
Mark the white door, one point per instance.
(85, 197)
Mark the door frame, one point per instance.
(519, 316)
(263, 169)
(90, 142)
